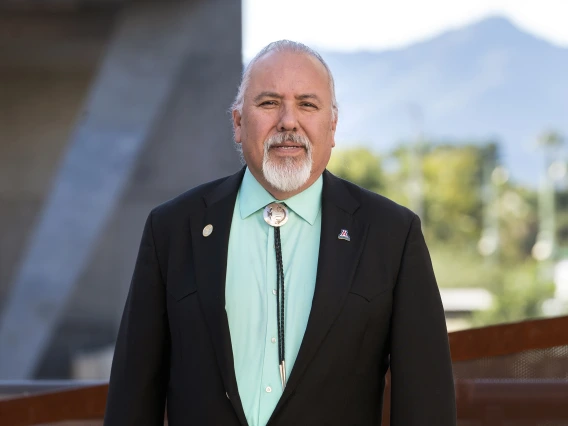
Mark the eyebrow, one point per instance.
(267, 95)
(278, 96)
(308, 96)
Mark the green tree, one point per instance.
(451, 185)
(358, 165)
(518, 297)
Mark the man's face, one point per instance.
(286, 127)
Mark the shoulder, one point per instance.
(177, 210)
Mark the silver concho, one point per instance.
(275, 214)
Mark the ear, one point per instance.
(333, 128)
(237, 125)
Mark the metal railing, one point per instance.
(504, 374)
(30, 387)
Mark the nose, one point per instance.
(288, 122)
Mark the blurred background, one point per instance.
(458, 110)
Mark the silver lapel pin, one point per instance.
(207, 230)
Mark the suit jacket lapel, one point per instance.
(211, 265)
(337, 263)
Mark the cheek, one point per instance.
(321, 154)
(323, 144)
(324, 156)
(325, 137)
(252, 139)
(253, 130)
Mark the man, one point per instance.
(282, 294)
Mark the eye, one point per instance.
(268, 103)
(309, 105)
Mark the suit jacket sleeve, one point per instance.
(422, 389)
(140, 367)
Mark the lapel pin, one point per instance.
(208, 230)
(344, 235)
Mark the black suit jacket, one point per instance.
(376, 304)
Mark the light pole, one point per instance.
(545, 246)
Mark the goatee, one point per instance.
(287, 174)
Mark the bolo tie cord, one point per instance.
(280, 305)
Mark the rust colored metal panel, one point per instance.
(74, 404)
(525, 388)
(513, 400)
(76, 423)
(507, 339)
(549, 363)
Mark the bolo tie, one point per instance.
(276, 215)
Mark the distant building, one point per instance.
(461, 303)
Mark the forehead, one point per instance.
(286, 71)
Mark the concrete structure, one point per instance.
(106, 110)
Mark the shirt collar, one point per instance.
(253, 197)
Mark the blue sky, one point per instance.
(379, 24)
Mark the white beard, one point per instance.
(290, 173)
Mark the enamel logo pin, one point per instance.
(344, 235)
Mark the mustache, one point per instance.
(280, 138)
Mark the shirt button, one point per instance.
(268, 389)
(274, 292)
(273, 340)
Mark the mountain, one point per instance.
(489, 80)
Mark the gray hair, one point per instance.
(281, 46)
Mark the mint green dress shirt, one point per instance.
(250, 290)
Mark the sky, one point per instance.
(379, 24)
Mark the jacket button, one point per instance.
(227, 395)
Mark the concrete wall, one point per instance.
(189, 142)
(37, 113)
(47, 62)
